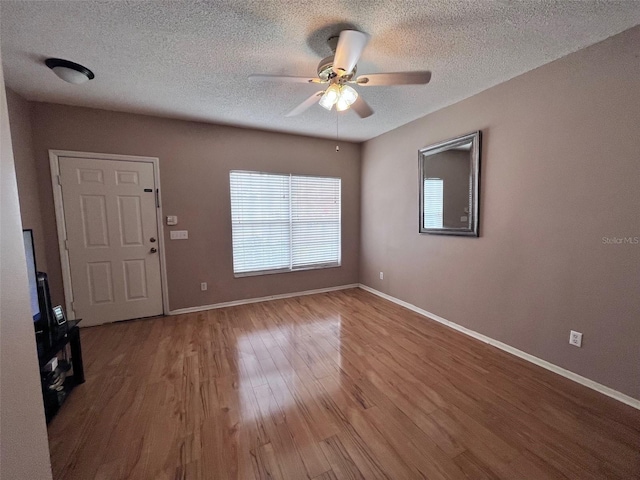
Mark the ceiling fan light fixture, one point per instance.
(325, 102)
(68, 71)
(342, 104)
(348, 94)
(333, 93)
(330, 97)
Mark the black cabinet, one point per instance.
(58, 384)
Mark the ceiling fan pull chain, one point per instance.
(337, 131)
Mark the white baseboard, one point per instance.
(610, 392)
(234, 303)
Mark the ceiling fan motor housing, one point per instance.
(326, 73)
(325, 67)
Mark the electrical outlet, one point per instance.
(381, 276)
(575, 338)
(203, 286)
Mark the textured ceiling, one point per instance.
(191, 60)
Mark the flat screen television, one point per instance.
(40, 298)
(30, 253)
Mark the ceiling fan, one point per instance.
(339, 71)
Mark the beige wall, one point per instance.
(26, 172)
(195, 159)
(560, 171)
(24, 451)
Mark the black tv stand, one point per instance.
(68, 333)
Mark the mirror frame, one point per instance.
(474, 183)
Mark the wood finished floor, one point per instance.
(342, 385)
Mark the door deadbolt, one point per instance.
(152, 240)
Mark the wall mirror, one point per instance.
(449, 186)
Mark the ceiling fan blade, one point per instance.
(283, 78)
(305, 105)
(400, 78)
(362, 108)
(350, 46)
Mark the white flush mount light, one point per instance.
(69, 71)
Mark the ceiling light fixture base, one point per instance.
(69, 71)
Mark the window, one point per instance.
(284, 223)
(433, 202)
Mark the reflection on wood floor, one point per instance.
(338, 385)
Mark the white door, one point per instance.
(112, 238)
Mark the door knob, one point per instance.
(153, 250)
(152, 240)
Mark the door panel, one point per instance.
(130, 218)
(126, 178)
(94, 220)
(110, 221)
(90, 176)
(100, 283)
(135, 279)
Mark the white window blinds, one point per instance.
(284, 222)
(433, 202)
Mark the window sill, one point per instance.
(286, 270)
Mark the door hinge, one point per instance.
(66, 244)
(58, 180)
(157, 198)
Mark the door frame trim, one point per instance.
(54, 163)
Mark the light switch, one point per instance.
(172, 220)
(179, 234)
